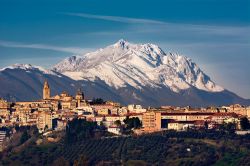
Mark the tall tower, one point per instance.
(46, 90)
(79, 97)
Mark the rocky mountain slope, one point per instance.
(123, 72)
(137, 65)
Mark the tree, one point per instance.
(244, 123)
(17, 128)
(82, 161)
(25, 136)
(97, 101)
(78, 129)
(132, 122)
(118, 123)
(206, 125)
(35, 130)
(102, 126)
(61, 162)
(230, 127)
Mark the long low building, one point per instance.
(186, 116)
(156, 120)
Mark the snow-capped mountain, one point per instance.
(29, 68)
(137, 65)
(122, 72)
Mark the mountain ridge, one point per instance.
(123, 72)
(140, 61)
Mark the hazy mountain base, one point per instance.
(26, 85)
(167, 148)
(149, 96)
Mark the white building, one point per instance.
(85, 109)
(136, 109)
(115, 130)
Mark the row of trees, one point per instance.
(129, 124)
(80, 129)
(97, 101)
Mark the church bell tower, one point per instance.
(46, 90)
(79, 97)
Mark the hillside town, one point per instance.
(54, 112)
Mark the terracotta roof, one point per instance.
(226, 114)
(175, 121)
(113, 127)
(112, 116)
(134, 114)
(188, 113)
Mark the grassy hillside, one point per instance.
(166, 148)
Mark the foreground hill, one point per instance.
(199, 148)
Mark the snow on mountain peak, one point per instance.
(19, 66)
(122, 43)
(137, 65)
(28, 68)
(22, 67)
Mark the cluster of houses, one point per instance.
(176, 119)
(54, 112)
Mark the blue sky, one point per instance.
(214, 33)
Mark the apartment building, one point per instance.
(44, 121)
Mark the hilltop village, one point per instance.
(54, 112)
